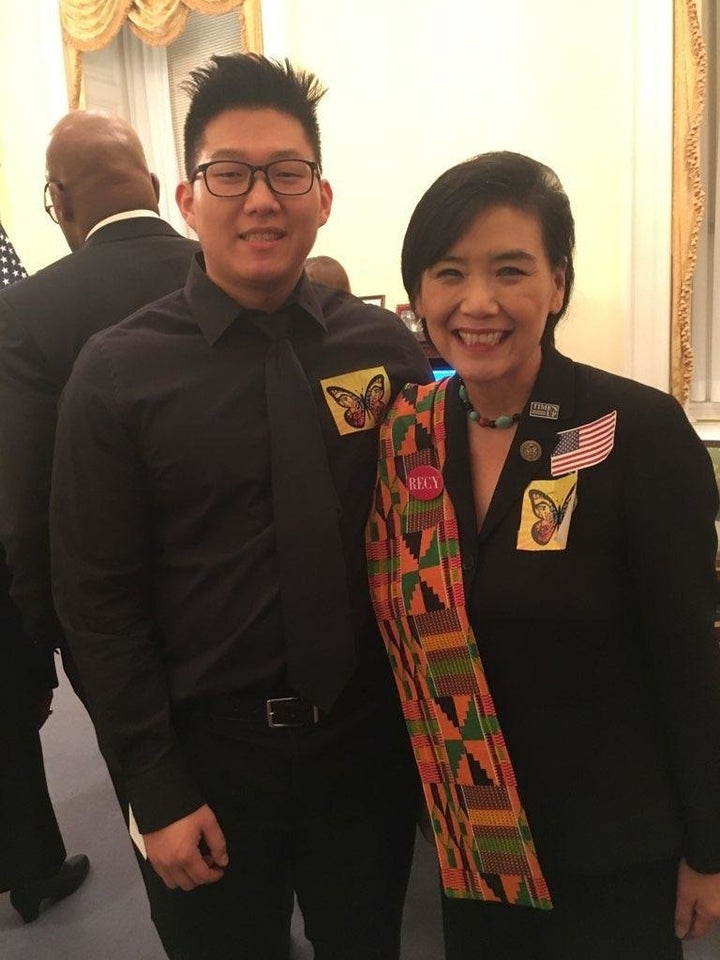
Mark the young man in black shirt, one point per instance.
(215, 459)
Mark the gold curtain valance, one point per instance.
(690, 70)
(93, 24)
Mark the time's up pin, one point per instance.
(545, 411)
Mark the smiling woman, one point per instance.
(486, 304)
(494, 277)
(547, 610)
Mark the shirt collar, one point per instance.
(126, 215)
(215, 311)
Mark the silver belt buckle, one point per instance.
(276, 724)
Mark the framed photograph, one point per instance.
(378, 300)
(405, 313)
(713, 448)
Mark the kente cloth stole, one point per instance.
(483, 840)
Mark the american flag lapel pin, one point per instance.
(583, 446)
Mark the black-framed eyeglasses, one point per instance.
(233, 178)
(47, 199)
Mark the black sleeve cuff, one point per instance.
(163, 794)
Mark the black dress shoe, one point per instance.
(27, 899)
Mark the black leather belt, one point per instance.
(275, 712)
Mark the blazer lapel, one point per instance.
(555, 385)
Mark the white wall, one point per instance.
(416, 86)
(32, 79)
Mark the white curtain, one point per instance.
(146, 78)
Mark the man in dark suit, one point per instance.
(104, 198)
(33, 864)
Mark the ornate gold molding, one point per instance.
(689, 77)
(93, 24)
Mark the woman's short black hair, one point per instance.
(450, 205)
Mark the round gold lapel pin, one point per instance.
(530, 450)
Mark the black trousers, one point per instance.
(326, 812)
(626, 915)
(31, 846)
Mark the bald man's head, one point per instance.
(96, 167)
(329, 271)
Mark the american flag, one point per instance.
(583, 446)
(10, 267)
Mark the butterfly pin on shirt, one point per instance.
(357, 400)
(549, 513)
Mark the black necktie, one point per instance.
(313, 581)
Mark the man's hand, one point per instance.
(189, 852)
(698, 902)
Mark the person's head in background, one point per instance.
(329, 271)
(487, 262)
(254, 192)
(95, 168)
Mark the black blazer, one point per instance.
(601, 657)
(44, 322)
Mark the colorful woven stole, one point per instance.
(482, 836)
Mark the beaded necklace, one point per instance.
(499, 423)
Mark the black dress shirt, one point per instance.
(164, 559)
